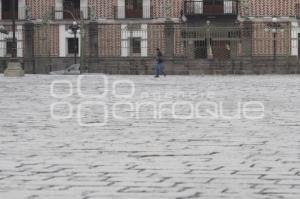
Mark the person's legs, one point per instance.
(162, 69)
(157, 70)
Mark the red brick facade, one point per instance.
(46, 40)
(103, 8)
(40, 8)
(109, 47)
(270, 8)
(110, 37)
(261, 13)
(169, 8)
(263, 41)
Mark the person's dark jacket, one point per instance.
(159, 58)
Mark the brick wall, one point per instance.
(271, 7)
(109, 40)
(156, 38)
(46, 40)
(263, 42)
(106, 8)
(40, 8)
(110, 36)
(169, 8)
(103, 8)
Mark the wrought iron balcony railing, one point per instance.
(210, 7)
(61, 13)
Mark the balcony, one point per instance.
(125, 12)
(61, 13)
(204, 8)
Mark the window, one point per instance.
(298, 45)
(135, 45)
(134, 8)
(73, 46)
(134, 4)
(134, 27)
(219, 2)
(213, 2)
(9, 47)
(7, 9)
(213, 7)
(72, 6)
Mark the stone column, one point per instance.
(93, 39)
(169, 39)
(29, 62)
(234, 44)
(93, 44)
(247, 38)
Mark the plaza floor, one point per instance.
(58, 140)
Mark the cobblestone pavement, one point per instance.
(145, 157)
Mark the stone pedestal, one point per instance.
(29, 61)
(210, 54)
(14, 69)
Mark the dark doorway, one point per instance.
(73, 45)
(135, 44)
(7, 9)
(200, 49)
(298, 45)
(134, 8)
(9, 47)
(213, 7)
(72, 6)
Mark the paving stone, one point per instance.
(146, 157)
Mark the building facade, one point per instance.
(119, 33)
(115, 15)
(212, 29)
(261, 13)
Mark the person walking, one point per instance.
(160, 67)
